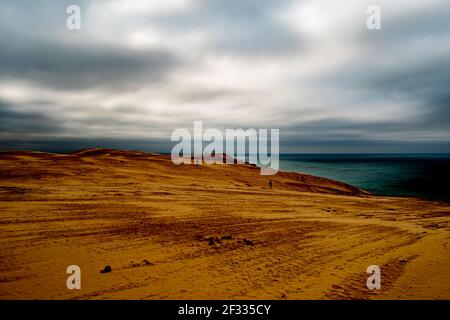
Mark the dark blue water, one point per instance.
(420, 175)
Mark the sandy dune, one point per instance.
(207, 232)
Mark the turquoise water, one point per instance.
(421, 175)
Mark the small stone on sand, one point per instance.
(106, 269)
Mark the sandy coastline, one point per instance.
(208, 232)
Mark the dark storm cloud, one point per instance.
(341, 128)
(37, 47)
(426, 84)
(14, 121)
(142, 70)
(407, 62)
(78, 68)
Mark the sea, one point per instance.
(419, 175)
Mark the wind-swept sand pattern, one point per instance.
(207, 232)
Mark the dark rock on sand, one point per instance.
(106, 269)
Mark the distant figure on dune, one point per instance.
(270, 184)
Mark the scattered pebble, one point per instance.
(106, 269)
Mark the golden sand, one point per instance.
(207, 232)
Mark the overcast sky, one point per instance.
(138, 69)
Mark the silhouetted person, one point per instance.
(270, 184)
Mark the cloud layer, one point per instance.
(139, 69)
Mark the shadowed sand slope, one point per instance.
(207, 231)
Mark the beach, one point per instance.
(213, 231)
